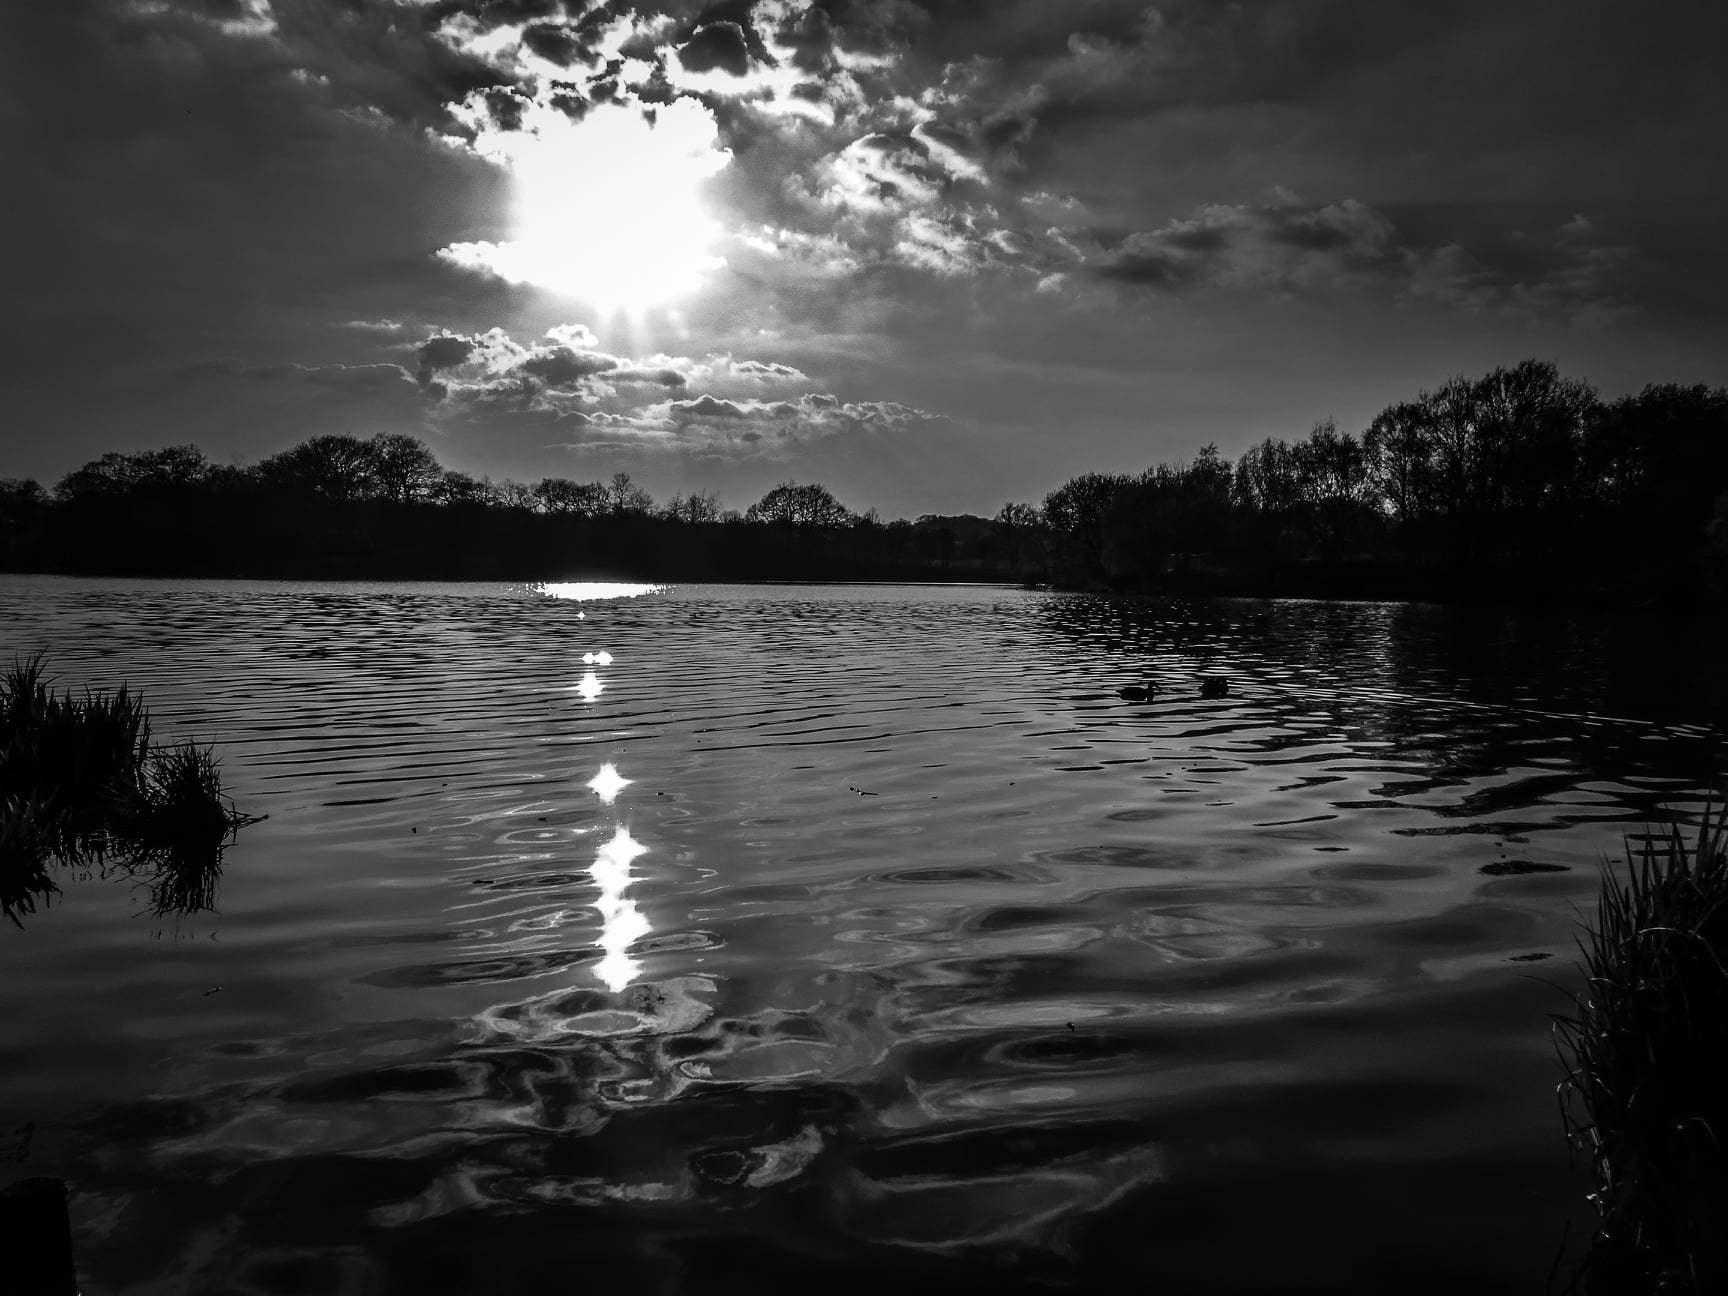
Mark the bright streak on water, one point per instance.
(601, 658)
(590, 591)
(621, 922)
(608, 783)
(590, 687)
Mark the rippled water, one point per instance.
(731, 938)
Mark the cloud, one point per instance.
(769, 372)
(1287, 247)
(741, 405)
(1279, 247)
(563, 367)
(578, 336)
(328, 376)
(373, 326)
(750, 423)
(442, 351)
(719, 46)
(647, 376)
(568, 375)
(704, 407)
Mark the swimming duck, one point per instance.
(1214, 686)
(1139, 692)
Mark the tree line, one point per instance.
(1521, 483)
(380, 507)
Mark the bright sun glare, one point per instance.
(607, 210)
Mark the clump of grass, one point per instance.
(1645, 1093)
(73, 757)
(80, 781)
(179, 797)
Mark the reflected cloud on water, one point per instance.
(622, 923)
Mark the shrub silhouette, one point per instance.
(81, 782)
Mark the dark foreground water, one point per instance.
(908, 957)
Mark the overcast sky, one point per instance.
(934, 255)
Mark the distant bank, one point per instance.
(1521, 486)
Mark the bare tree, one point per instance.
(561, 495)
(404, 469)
(624, 496)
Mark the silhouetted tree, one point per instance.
(1019, 532)
(696, 507)
(1399, 450)
(336, 467)
(1075, 514)
(21, 497)
(561, 495)
(625, 497)
(114, 474)
(24, 507)
(460, 488)
(403, 469)
(512, 494)
(795, 505)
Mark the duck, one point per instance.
(1214, 686)
(1139, 692)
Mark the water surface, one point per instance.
(730, 938)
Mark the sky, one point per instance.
(936, 255)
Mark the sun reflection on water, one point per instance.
(608, 783)
(590, 591)
(590, 687)
(621, 922)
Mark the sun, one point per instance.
(608, 210)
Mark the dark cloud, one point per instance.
(661, 377)
(384, 58)
(557, 44)
(718, 46)
(446, 351)
(1280, 246)
(568, 100)
(505, 107)
(564, 367)
(811, 35)
(1287, 247)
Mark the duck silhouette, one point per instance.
(1214, 686)
(1139, 692)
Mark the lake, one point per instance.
(738, 938)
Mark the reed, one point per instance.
(1645, 1096)
(29, 834)
(81, 781)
